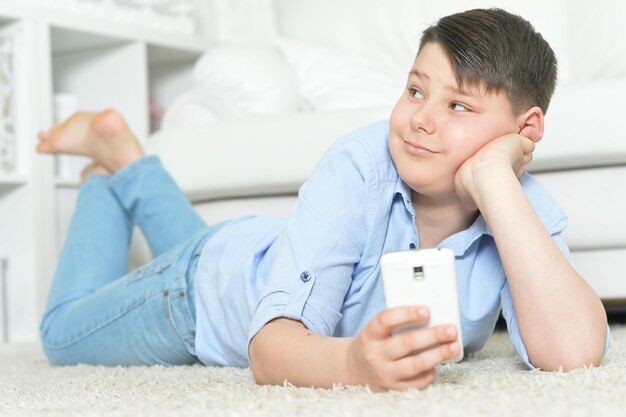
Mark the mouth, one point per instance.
(417, 150)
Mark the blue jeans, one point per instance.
(98, 313)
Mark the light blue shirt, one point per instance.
(321, 265)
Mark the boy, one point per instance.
(302, 300)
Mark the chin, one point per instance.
(430, 186)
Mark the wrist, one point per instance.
(487, 170)
(351, 371)
(488, 179)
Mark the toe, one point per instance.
(43, 147)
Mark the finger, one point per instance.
(381, 326)
(520, 169)
(412, 366)
(526, 159)
(404, 344)
(528, 146)
(43, 147)
(421, 381)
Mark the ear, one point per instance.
(530, 124)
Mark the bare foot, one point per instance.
(104, 137)
(91, 169)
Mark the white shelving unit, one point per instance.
(4, 337)
(104, 64)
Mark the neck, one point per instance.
(438, 218)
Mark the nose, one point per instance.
(422, 119)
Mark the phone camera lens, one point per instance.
(418, 272)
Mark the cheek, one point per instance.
(467, 140)
(399, 116)
(463, 143)
(461, 152)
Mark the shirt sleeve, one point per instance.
(323, 240)
(508, 312)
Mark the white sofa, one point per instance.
(255, 165)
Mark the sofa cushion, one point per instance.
(258, 156)
(583, 127)
(605, 271)
(594, 201)
(328, 79)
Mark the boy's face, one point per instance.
(435, 127)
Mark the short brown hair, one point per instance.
(499, 51)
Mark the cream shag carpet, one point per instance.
(490, 383)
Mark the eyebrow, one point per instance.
(423, 75)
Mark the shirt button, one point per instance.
(412, 246)
(305, 276)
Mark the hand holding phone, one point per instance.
(399, 362)
(424, 277)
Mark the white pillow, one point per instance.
(239, 80)
(188, 111)
(328, 79)
(389, 31)
(597, 42)
(386, 32)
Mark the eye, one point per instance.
(458, 107)
(414, 92)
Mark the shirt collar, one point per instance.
(546, 207)
(459, 242)
(404, 191)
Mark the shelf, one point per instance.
(118, 30)
(163, 55)
(101, 27)
(4, 330)
(67, 183)
(10, 183)
(13, 10)
(13, 180)
(5, 21)
(102, 63)
(68, 40)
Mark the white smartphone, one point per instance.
(425, 277)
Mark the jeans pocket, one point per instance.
(177, 313)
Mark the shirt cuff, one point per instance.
(518, 344)
(297, 306)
